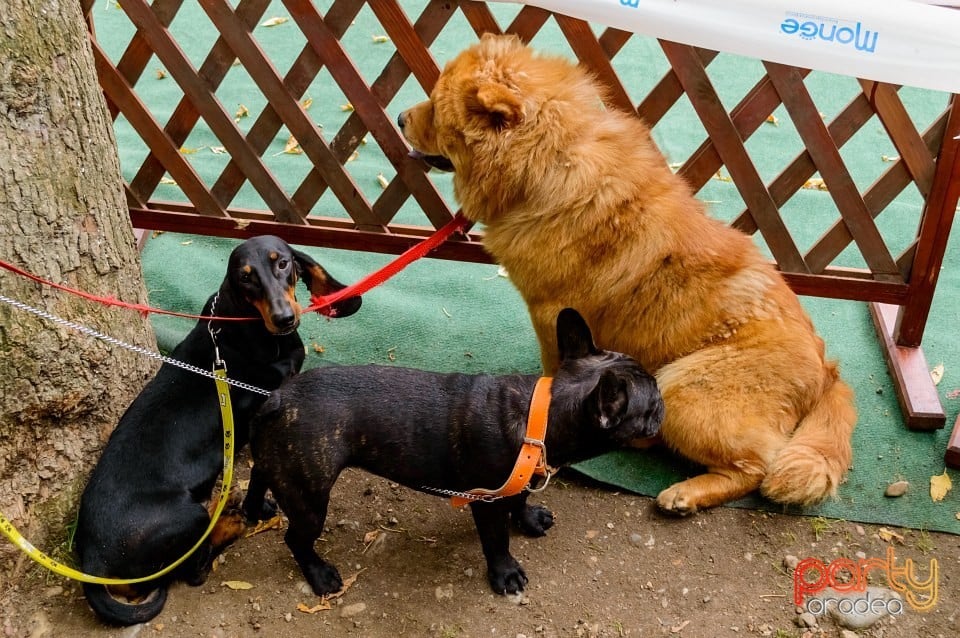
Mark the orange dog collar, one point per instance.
(532, 459)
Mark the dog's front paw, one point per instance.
(675, 500)
(323, 578)
(534, 520)
(506, 576)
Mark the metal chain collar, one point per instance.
(138, 349)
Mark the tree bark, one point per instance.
(63, 217)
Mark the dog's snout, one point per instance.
(284, 321)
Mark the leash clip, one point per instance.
(217, 361)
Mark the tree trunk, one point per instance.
(63, 217)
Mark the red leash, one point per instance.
(374, 279)
(458, 223)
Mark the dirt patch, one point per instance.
(612, 566)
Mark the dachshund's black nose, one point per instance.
(285, 322)
(401, 121)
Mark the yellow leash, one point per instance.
(226, 413)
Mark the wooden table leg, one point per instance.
(916, 392)
(952, 456)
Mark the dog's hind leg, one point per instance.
(505, 574)
(256, 506)
(531, 520)
(306, 525)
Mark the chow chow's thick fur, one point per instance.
(582, 210)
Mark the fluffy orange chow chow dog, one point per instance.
(582, 210)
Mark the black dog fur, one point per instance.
(146, 502)
(450, 431)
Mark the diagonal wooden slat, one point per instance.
(185, 115)
(692, 75)
(268, 123)
(667, 92)
(123, 96)
(428, 26)
(850, 120)
(369, 110)
(290, 111)
(211, 110)
(877, 197)
(134, 60)
(591, 54)
(904, 136)
(409, 45)
(748, 115)
(826, 156)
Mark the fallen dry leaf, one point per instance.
(161, 74)
(370, 536)
(242, 111)
(272, 22)
(937, 374)
(380, 39)
(772, 119)
(318, 348)
(723, 178)
(347, 584)
(187, 151)
(354, 155)
(168, 181)
(383, 181)
(939, 486)
(262, 526)
(323, 605)
(889, 535)
(292, 147)
(306, 103)
(236, 584)
(889, 158)
(347, 108)
(218, 150)
(815, 184)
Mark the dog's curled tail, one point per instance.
(115, 612)
(813, 463)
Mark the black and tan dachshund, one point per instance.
(147, 501)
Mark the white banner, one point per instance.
(897, 41)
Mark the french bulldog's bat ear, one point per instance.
(321, 283)
(610, 399)
(574, 339)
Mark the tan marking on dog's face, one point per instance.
(291, 294)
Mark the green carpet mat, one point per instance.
(448, 316)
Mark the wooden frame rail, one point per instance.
(899, 286)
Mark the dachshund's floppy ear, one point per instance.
(322, 283)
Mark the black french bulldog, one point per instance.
(432, 430)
